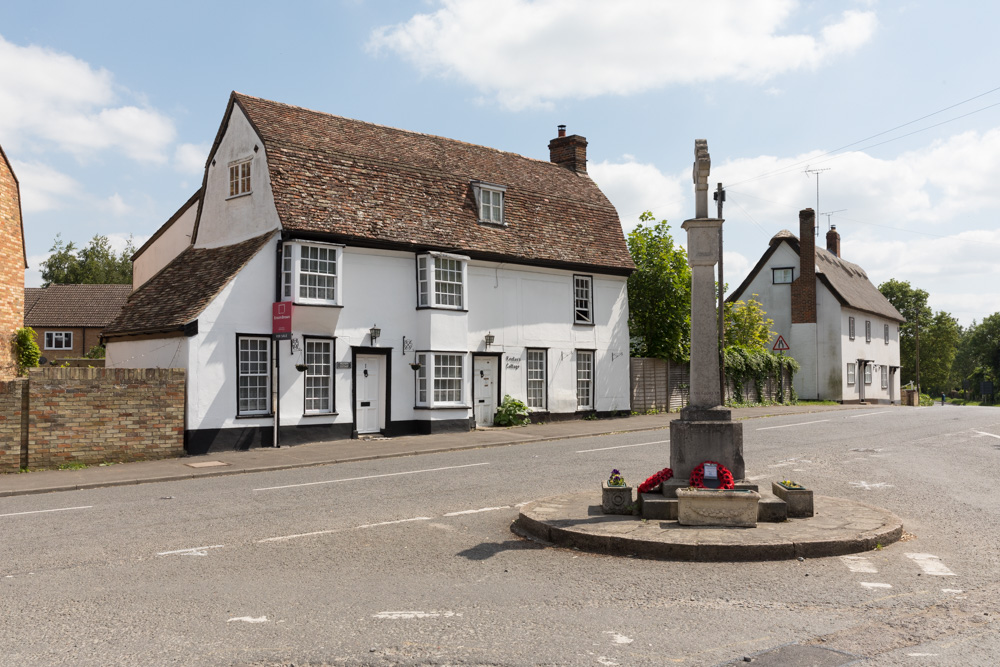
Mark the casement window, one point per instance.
(537, 371)
(868, 331)
(886, 332)
(440, 379)
(311, 273)
(441, 281)
(489, 201)
(239, 177)
(583, 299)
(254, 374)
(850, 328)
(319, 376)
(584, 380)
(851, 374)
(782, 276)
(868, 373)
(885, 377)
(58, 340)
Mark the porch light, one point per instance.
(489, 338)
(374, 332)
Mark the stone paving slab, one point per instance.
(839, 527)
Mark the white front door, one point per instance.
(367, 378)
(485, 393)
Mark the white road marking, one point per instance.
(284, 538)
(757, 477)
(931, 564)
(868, 414)
(61, 509)
(618, 638)
(868, 487)
(248, 619)
(871, 585)
(989, 434)
(389, 523)
(781, 465)
(952, 590)
(485, 509)
(859, 564)
(356, 479)
(193, 551)
(604, 449)
(768, 428)
(407, 615)
(921, 655)
(607, 662)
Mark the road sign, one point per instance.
(780, 345)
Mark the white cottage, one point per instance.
(424, 278)
(836, 323)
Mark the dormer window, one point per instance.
(239, 177)
(489, 200)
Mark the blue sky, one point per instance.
(107, 109)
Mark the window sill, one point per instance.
(242, 194)
(320, 414)
(538, 411)
(305, 304)
(584, 324)
(269, 415)
(453, 310)
(493, 223)
(442, 407)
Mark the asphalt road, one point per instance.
(411, 561)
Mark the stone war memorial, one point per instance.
(701, 507)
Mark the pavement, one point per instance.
(216, 464)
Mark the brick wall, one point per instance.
(11, 268)
(804, 287)
(84, 338)
(93, 415)
(13, 419)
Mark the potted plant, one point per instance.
(415, 365)
(798, 498)
(302, 368)
(616, 495)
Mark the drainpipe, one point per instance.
(277, 347)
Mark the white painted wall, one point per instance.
(151, 353)
(882, 354)
(170, 243)
(776, 299)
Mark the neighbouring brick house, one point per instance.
(13, 262)
(68, 319)
(839, 327)
(414, 279)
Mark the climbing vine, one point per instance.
(744, 366)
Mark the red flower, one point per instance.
(656, 480)
(697, 478)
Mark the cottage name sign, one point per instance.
(512, 363)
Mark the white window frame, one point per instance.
(294, 280)
(490, 202)
(58, 340)
(850, 328)
(886, 331)
(250, 368)
(583, 305)
(868, 331)
(780, 271)
(585, 362)
(436, 379)
(868, 373)
(431, 292)
(851, 374)
(239, 178)
(536, 366)
(314, 381)
(885, 376)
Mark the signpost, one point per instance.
(780, 345)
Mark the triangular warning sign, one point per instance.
(780, 345)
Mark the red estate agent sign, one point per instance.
(780, 345)
(281, 313)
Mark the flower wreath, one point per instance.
(697, 479)
(656, 480)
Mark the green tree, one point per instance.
(912, 304)
(659, 293)
(938, 346)
(26, 352)
(97, 263)
(984, 346)
(747, 325)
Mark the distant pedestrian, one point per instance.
(942, 398)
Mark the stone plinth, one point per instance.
(713, 507)
(799, 501)
(616, 499)
(706, 434)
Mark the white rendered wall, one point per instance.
(224, 219)
(828, 344)
(776, 299)
(150, 353)
(170, 243)
(876, 350)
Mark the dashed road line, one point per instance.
(409, 615)
(988, 434)
(248, 619)
(357, 479)
(859, 564)
(59, 509)
(193, 551)
(873, 585)
(485, 509)
(768, 428)
(931, 564)
(604, 449)
(868, 414)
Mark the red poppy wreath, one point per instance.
(656, 480)
(697, 478)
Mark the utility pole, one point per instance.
(918, 354)
(809, 171)
(720, 198)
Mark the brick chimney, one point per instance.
(833, 240)
(804, 287)
(570, 152)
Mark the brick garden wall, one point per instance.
(11, 269)
(13, 420)
(96, 415)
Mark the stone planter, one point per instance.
(616, 499)
(714, 507)
(799, 501)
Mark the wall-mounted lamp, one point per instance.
(489, 338)
(374, 332)
(615, 355)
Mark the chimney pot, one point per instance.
(569, 151)
(562, 130)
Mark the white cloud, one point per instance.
(53, 99)
(43, 188)
(190, 158)
(117, 205)
(529, 53)
(634, 187)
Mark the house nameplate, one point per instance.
(343, 364)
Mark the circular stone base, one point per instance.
(838, 527)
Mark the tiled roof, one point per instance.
(73, 305)
(363, 182)
(180, 291)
